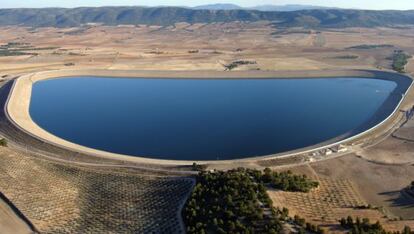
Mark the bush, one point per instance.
(399, 60)
(3, 142)
(197, 167)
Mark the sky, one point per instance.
(361, 4)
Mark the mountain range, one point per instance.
(313, 18)
(288, 7)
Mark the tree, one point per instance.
(365, 222)
(3, 142)
(285, 213)
(349, 221)
(407, 230)
(343, 223)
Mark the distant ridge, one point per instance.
(288, 7)
(218, 6)
(316, 18)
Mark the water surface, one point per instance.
(204, 119)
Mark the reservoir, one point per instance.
(208, 119)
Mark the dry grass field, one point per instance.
(201, 47)
(349, 183)
(59, 198)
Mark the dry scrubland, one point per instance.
(374, 176)
(57, 197)
(201, 47)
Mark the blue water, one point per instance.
(195, 119)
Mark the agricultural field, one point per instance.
(58, 198)
(350, 190)
(209, 46)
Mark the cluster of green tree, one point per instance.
(399, 60)
(365, 227)
(238, 63)
(33, 48)
(17, 48)
(286, 181)
(3, 142)
(306, 227)
(347, 57)
(198, 167)
(367, 47)
(236, 201)
(365, 207)
(230, 202)
(5, 52)
(14, 45)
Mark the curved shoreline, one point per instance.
(18, 102)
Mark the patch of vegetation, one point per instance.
(193, 51)
(216, 52)
(291, 31)
(155, 52)
(236, 201)
(230, 202)
(3, 142)
(286, 181)
(4, 53)
(364, 207)
(399, 60)
(18, 48)
(75, 54)
(15, 45)
(307, 227)
(347, 57)
(198, 167)
(237, 63)
(367, 47)
(364, 226)
(39, 48)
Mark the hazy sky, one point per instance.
(366, 4)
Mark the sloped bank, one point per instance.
(17, 106)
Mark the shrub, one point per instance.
(3, 142)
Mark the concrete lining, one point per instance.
(17, 106)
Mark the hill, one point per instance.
(317, 18)
(288, 7)
(218, 6)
